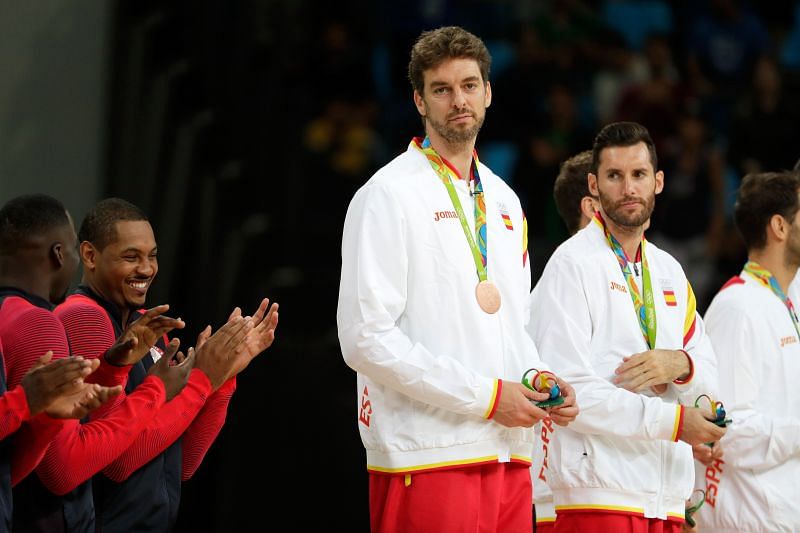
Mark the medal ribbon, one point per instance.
(766, 278)
(477, 244)
(643, 302)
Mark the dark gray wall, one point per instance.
(52, 99)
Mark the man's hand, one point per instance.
(567, 411)
(173, 374)
(697, 429)
(653, 368)
(48, 381)
(257, 339)
(515, 408)
(137, 339)
(218, 355)
(78, 404)
(707, 454)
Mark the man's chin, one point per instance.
(629, 222)
(136, 303)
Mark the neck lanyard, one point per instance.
(765, 277)
(477, 244)
(643, 301)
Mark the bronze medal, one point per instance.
(488, 296)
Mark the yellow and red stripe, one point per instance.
(595, 508)
(691, 370)
(507, 221)
(678, 427)
(446, 465)
(690, 321)
(524, 239)
(612, 509)
(496, 391)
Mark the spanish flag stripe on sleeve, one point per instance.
(524, 239)
(498, 390)
(678, 427)
(691, 315)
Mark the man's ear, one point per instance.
(659, 181)
(778, 227)
(593, 185)
(588, 207)
(57, 254)
(88, 255)
(420, 103)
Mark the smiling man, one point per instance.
(432, 313)
(38, 258)
(141, 489)
(615, 316)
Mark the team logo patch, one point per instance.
(505, 216)
(788, 340)
(617, 287)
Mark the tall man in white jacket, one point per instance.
(754, 329)
(433, 304)
(615, 316)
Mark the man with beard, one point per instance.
(38, 258)
(140, 490)
(615, 316)
(753, 326)
(433, 303)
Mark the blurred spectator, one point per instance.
(766, 133)
(554, 137)
(636, 19)
(656, 100)
(724, 45)
(688, 220)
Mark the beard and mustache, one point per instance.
(617, 213)
(456, 135)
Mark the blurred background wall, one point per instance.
(244, 128)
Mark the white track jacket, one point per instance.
(620, 454)
(428, 359)
(754, 487)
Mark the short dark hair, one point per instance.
(99, 224)
(761, 196)
(28, 216)
(622, 134)
(571, 187)
(435, 46)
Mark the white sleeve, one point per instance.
(755, 439)
(372, 298)
(562, 329)
(704, 378)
